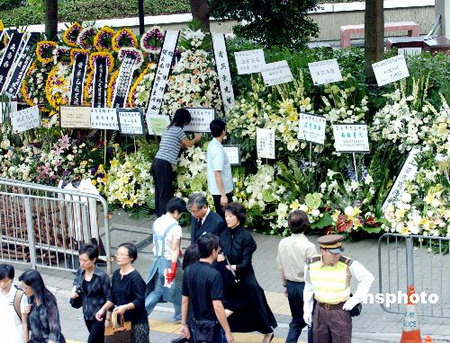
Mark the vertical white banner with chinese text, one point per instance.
(223, 70)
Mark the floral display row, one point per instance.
(313, 178)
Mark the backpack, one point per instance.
(18, 300)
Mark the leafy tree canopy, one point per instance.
(270, 22)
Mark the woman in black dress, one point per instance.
(43, 315)
(91, 289)
(128, 295)
(246, 299)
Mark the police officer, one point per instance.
(327, 280)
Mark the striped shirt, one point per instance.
(170, 145)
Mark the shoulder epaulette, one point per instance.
(346, 260)
(313, 259)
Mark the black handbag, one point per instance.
(204, 331)
(77, 302)
(356, 311)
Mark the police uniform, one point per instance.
(329, 285)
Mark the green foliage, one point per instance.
(6, 5)
(270, 22)
(89, 10)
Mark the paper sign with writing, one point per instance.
(162, 73)
(390, 70)
(249, 61)
(276, 73)
(76, 117)
(312, 128)
(351, 138)
(200, 119)
(131, 121)
(100, 83)
(26, 119)
(158, 124)
(265, 143)
(233, 153)
(8, 57)
(22, 64)
(123, 82)
(78, 75)
(325, 71)
(223, 70)
(6, 108)
(407, 173)
(104, 119)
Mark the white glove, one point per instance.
(350, 303)
(307, 317)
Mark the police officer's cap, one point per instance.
(333, 243)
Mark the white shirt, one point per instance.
(10, 323)
(160, 226)
(217, 160)
(292, 254)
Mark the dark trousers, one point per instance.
(218, 206)
(331, 326)
(163, 176)
(96, 330)
(295, 298)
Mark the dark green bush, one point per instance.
(8, 4)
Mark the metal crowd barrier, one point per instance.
(422, 261)
(45, 226)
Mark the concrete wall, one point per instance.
(329, 17)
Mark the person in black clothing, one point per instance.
(128, 295)
(203, 292)
(246, 299)
(43, 315)
(203, 219)
(91, 289)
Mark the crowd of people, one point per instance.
(212, 287)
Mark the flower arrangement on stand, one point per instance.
(70, 35)
(193, 82)
(86, 38)
(103, 39)
(191, 172)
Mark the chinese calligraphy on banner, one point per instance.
(22, 65)
(351, 138)
(276, 73)
(390, 70)
(265, 143)
(249, 61)
(123, 82)
(26, 119)
(158, 124)
(312, 128)
(326, 71)
(201, 118)
(131, 121)
(77, 84)
(223, 70)
(76, 117)
(8, 56)
(104, 119)
(100, 82)
(162, 73)
(407, 173)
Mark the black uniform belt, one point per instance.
(331, 306)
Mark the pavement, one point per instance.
(373, 325)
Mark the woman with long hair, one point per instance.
(245, 300)
(91, 289)
(127, 295)
(43, 316)
(164, 164)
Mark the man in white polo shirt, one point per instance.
(220, 179)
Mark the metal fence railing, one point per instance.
(422, 261)
(45, 226)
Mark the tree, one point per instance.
(270, 22)
(51, 19)
(373, 35)
(200, 12)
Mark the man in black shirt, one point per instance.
(203, 293)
